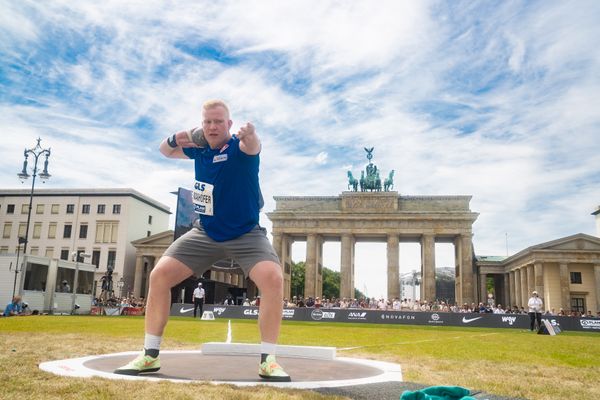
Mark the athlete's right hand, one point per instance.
(184, 139)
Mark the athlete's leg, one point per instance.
(167, 273)
(268, 278)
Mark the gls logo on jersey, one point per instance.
(200, 186)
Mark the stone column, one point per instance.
(346, 270)
(319, 280)
(457, 274)
(286, 264)
(466, 265)
(234, 279)
(220, 276)
(531, 282)
(512, 289)
(139, 271)
(538, 271)
(310, 273)
(505, 291)
(393, 270)
(428, 268)
(565, 287)
(151, 262)
(517, 288)
(597, 278)
(483, 288)
(524, 294)
(227, 277)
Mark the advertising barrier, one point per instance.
(518, 321)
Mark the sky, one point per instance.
(493, 99)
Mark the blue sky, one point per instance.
(497, 100)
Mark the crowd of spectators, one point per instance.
(122, 302)
(419, 305)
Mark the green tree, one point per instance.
(331, 282)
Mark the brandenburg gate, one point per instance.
(375, 216)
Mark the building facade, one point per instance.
(99, 223)
(565, 272)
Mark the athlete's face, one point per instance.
(216, 125)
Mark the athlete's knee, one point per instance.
(268, 276)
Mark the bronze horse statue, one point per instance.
(352, 182)
(388, 183)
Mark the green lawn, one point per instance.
(501, 361)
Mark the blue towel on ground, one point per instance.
(438, 393)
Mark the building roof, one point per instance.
(491, 258)
(88, 193)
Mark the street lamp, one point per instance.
(36, 152)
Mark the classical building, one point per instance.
(101, 223)
(565, 272)
(378, 216)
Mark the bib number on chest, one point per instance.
(202, 196)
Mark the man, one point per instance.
(535, 305)
(227, 196)
(14, 308)
(198, 298)
(65, 287)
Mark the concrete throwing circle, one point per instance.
(240, 370)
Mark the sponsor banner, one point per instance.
(132, 311)
(516, 321)
(95, 310)
(112, 310)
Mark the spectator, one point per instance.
(535, 305)
(65, 288)
(14, 308)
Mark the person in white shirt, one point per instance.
(198, 298)
(535, 305)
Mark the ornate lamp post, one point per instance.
(36, 152)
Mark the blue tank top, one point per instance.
(237, 198)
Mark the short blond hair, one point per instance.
(215, 103)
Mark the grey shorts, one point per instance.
(199, 252)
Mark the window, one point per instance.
(54, 209)
(148, 233)
(578, 304)
(37, 230)
(150, 219)
(85, 209)
(49, 252)
(6, 230)
(101, 208)
(62, 275)
(4, 250)
(10, 209)
(35, 277)
(39, 209)
(24, 208)
(52, 230)
(112, 256)
(85, 282)
(575, 277)
(67, 231)
(83, 231)
(70, 208)
(116, 209)
(64, 254)
(107, 232)
(96, 258)
(22, 229)
(34, 251)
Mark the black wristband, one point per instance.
(172, 140)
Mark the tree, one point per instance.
(331, 282)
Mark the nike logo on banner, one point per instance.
(466, 321)
(184, 310)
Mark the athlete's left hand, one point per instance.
(245, 131)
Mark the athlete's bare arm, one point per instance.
(183, 139)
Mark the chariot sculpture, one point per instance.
(371, 180)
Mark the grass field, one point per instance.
(506, 362)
